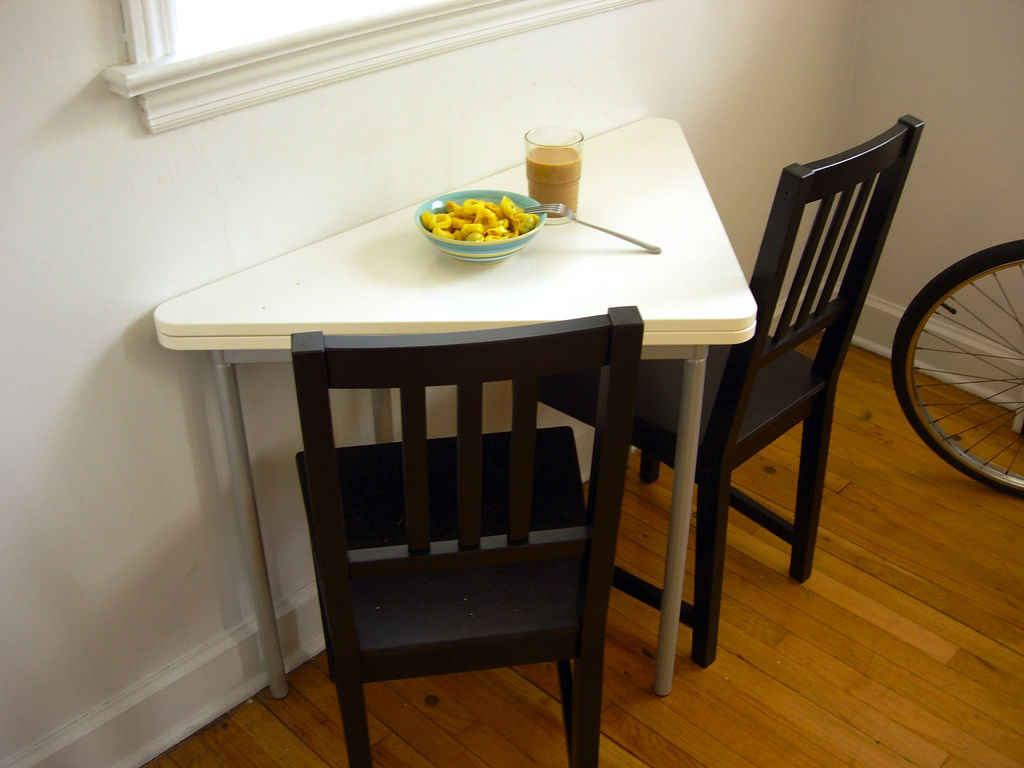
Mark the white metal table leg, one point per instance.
(687, 440)
(248, 521)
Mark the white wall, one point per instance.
(960, 67)
(125, 620)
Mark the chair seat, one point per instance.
(780, 399)
(439, 619)
(774, 401)
(421, 609)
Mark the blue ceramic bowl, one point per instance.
(480, 252)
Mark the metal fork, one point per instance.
(562, 210)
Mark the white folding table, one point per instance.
(384, 277)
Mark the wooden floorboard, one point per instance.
(904, 648)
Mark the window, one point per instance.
(194, 59)
(204, 26)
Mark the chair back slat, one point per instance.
(416, 469)
(850, 231)
(828, 258)
(525, 392)
(469, 453)
(798, 285)
(376, 362)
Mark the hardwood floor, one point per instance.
(904, 648)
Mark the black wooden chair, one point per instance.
(823, 239)
(452, 554)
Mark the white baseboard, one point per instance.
(150, 717)
(877, 326)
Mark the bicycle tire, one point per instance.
(958, 365)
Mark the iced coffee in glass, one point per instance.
(554, 160)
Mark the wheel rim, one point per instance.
(966, 374)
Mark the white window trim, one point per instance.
(173, 91)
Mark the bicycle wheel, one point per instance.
(958, 365)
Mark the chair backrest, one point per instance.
(824, 236)
(467, 360)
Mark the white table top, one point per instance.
(384, 277)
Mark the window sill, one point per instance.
(173, 91)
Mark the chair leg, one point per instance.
(565, 687)
(709, 566)
(650, 467)
(810, 487)
(354, 722)
(332, 674)
(586, 711)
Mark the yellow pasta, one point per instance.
(479, 221)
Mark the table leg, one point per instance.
(687, 440)
(248, 521)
